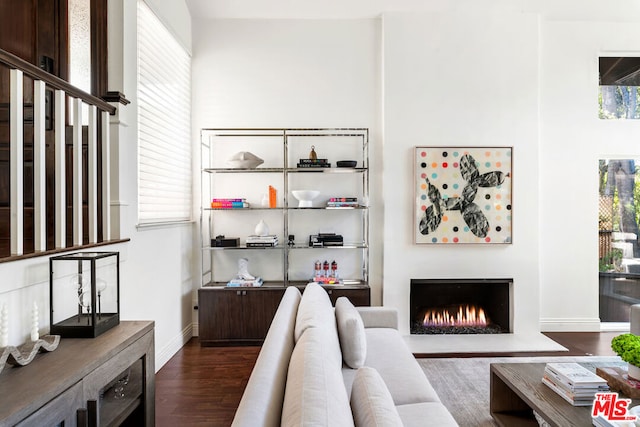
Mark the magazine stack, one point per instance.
(342, 202)
(574, 383)
(245, 283)
(268, 241)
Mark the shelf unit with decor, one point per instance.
(291, 261)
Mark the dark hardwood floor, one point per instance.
(202, 386)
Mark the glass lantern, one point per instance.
(84, 293)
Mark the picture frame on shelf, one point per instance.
(463, 195)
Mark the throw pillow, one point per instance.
(371, 402)
(353, 340)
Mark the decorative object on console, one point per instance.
(244, 278)
(346, 163)
(222, 242)
(305, 197)
(326, 273)
(313, 161)
(244, 160)
(23, 355)
(262, 229)
(84, 293)
(470, 186)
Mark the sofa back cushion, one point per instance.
(315, 310)
(371, 402)
(353, 341)
(315, 394)
(263, 397)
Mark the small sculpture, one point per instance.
(312, 154)
(243, 269)
(262, 229)
(244, 160)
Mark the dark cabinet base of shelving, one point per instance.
(242, 316)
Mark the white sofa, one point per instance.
(324, 367)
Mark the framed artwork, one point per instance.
(462, 195)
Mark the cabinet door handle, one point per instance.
(238, 293)
(330, 291)
(244, 292)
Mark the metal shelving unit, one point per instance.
(280, 165)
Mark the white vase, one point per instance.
(634, 372)
(262, 229)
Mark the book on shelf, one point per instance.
(343, 199)
(229, 203)
(313, 163)
(262, 241)
(244, 283)
(342, 204)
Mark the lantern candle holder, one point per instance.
(84, 289)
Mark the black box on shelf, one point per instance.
(222, 242)
(325, 239)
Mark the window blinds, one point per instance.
(164, 123)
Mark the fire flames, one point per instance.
(463, 316)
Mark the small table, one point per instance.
(517, 390)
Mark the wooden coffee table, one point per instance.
(517, 390)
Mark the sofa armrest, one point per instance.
(379, 317)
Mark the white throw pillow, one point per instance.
(353, 340)
(371, 402)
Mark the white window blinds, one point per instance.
(164, 123)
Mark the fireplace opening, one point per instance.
(460, 306)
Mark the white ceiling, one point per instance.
(299, 9)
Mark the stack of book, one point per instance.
(313, 163)
(574, 383)
(342, 202)
(244, 283)
(229, 203)
(262, 241)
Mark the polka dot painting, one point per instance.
(463, 195)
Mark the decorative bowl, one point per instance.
(244, 160)
(346, 163)
(305, 197)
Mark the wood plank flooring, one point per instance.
(202, 386)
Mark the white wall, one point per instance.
(157, 264)
(461, 79)
(293, 73)
(573, 139)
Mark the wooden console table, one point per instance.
(107, 381)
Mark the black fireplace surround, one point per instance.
(493, 296)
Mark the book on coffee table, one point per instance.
(573, 382)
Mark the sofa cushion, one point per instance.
(261, 402)
(315, 394)
(389, 355)
(427, 414)
(353, 340)
(371, 402)
(315, 310)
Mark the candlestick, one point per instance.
(34, 326)
(4, 326)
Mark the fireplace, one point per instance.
(460, 306)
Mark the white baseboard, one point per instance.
(165, 354)
(196, 329)
(570, 325)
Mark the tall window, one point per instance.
(164, 123)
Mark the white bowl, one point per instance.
(305, 197)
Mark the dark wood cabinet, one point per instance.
(236, 316)
(242, 316)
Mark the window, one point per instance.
(164, 123)
(619, 85)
